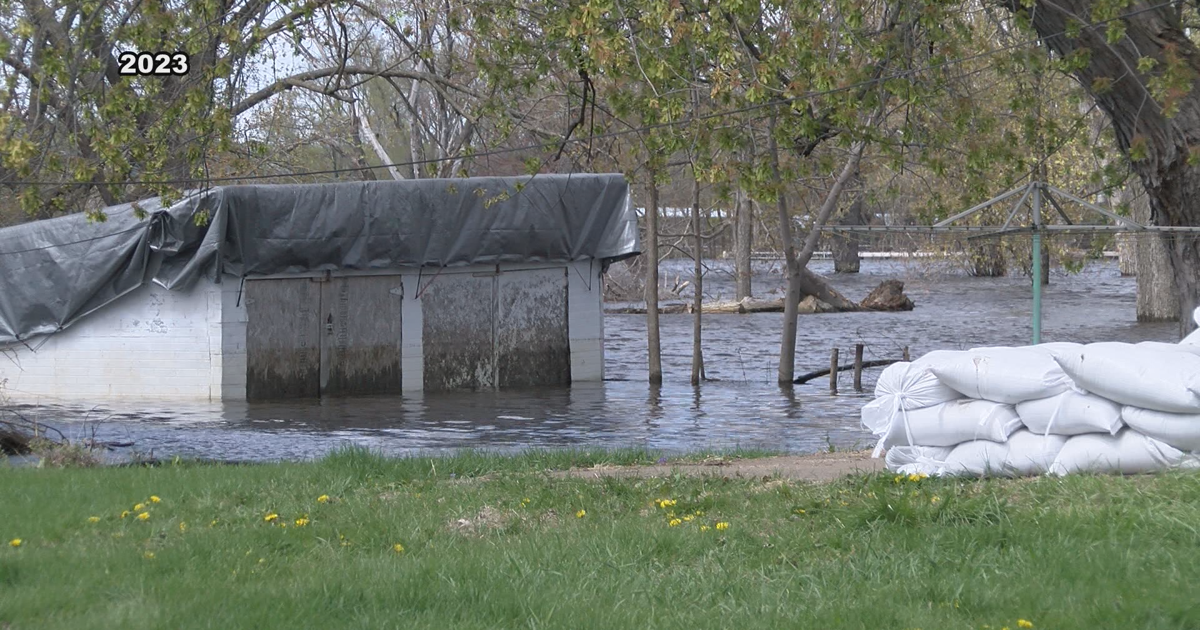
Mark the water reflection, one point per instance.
(744, 406)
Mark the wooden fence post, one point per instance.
(833, 371)
(858, 367)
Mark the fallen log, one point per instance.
(804, 378)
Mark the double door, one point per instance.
(312, 337)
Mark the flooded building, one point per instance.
(301, 291)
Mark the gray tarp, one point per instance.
(56, 271)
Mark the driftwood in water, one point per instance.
(804, 378)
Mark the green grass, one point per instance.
(868, 552)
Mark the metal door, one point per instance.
(458, 331)
(360, 344)
(532, 339)
(283, 355)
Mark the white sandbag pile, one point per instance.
(1054, 409)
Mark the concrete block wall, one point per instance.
(585, 320)
(152, 344)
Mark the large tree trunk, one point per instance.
(653, 346)
(743, 242)
(845, 248)
(1156, 299)
(697, 284)
(1158, 133)
(1127, 254)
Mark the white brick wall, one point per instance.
(585, 320)
(152, 343)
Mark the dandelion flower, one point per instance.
(213, 523)
(801, 511)
(302, 521)
(704, 528)
(14, 543)
(674, 522)
(935, 499)
(324, 498)
(143, 516)
(689, 518)
(124, 513)
(154, 499)
(398, 548)
(581, 514)
(270, 518)
(897, 478)
(182, 526)
(149, 555)
(722, 526)
(1024, 623)
(666, 503)
(93, 519)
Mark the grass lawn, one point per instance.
(478, 541)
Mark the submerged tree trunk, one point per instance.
(1156, 299)
(653, 345)
(697, 284)
(845, 246)
(743, 243)
(1158, 134)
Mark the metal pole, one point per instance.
(1037, 264)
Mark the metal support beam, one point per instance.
(1037, 264)
(1092, 206)
(974, 209)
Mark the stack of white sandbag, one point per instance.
(1053, 408)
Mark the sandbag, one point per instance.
(1071, 413)
(900, 456)
(1006, 375)
(1143, 377)
(1024, 454)
(1181, 430)
(914, 386)
(951, 423)
(1128, 452)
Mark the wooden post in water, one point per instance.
(906, 354)
(833, 371)
(858, 367)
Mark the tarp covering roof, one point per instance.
(56, 271)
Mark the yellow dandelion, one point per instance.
(143, 516)
(674, 522)
(722, 526)
(704, 528)
(93, 519)
(666, 503)
(1023, 623)
(935, 499)
(262, 560)
(14, 543)
(154, 499)
(1004, 628)
(149, 555)
(581, 514)
(302, 521)
(689, 518)
(270, 518)
(324, 498)
(124, 513)
(213, 523)
(182, 526)
(139, 507)
(897, 478)
(398, 548)
(801, 511)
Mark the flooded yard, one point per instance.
(741, 407)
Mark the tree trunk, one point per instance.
(796, 262)
(697, 283)
(1157, 134)
(743, 243)
(845, 247)
(1127, 254)
(986, 258)
(1045, 263)
(653, 346)
(1156, 299)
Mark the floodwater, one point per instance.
(740, 407)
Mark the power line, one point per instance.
(611, 134)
